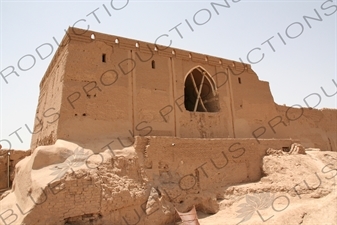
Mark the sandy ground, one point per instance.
(296, 189)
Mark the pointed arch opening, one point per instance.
(200, 92)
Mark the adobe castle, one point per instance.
(100, 91)
(127, 132)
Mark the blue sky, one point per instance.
(297, 66)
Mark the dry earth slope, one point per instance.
(295, 189)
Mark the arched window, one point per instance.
(200, 92)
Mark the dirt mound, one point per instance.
(295, 189)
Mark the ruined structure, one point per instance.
(126, 132)
(104, 90)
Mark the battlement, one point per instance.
(88, 36)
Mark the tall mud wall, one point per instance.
(315, 128)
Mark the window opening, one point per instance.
(153, 64)
(103, 58)
(200, 92)
(285, 149)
